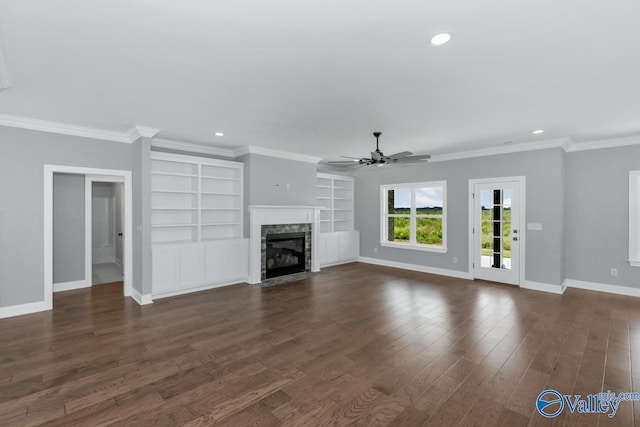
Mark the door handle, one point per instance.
(120, 234)
(515, 238)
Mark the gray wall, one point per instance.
(24, 154)
(269, 177)
(274, 181)
(68, 228)
(597, 215)
(544, 171)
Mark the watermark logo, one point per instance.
(550, 403)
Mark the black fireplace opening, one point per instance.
(285, 254)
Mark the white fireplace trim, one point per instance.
(273, 215)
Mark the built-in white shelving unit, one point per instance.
(339, 242)
(196, 224)
(335, 195)
(195, 199)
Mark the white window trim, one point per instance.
(412, 245)
(634, 218)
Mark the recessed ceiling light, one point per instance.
(440, 39)
(219, 134)
(538, 131)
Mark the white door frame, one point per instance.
(522, 188)
(125, 176)
(88, 219)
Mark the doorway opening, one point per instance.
(51, 265)
(496, 249)
(105, 229)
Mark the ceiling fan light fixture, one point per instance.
(440, 39)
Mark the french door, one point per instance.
(496, 229)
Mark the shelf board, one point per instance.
(323, 186)
(220, 178)
(173, 225)
(220, 209)
(174, 191)
(342, 220)
(219, 223)
(342, 198)
(211, 193)
(174, 209)
(336, 209)
(173, 242)
(189, 175)
(323, 198)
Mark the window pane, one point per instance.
(399, 201)
(429, 231)
(429, 201)
(399, 229)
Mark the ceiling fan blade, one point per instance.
(343, 162)
(349, 157)
(400, 155)
(412, 159)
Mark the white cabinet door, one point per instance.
(191, 266)
(238, 259)
(215, 261)
(165, 269)
(329, 248)
(349, 245)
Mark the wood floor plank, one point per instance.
(358, 345)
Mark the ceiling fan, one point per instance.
(379, 159)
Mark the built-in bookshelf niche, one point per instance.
(335, 194)
(195, 198)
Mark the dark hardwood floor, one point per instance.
(357, 345)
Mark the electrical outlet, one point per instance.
(614, 271)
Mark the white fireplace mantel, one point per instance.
(260, 215)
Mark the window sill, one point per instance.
(634, 263)
(438, 249)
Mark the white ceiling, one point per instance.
(318, 77)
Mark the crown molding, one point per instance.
(137, 132)
(603, 143)
(128, 137)
(503, 149)
(63, 128)
(192, 148)
(252, 149)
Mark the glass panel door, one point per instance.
(496, 233)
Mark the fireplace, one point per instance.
(285, 254)
(286, 249)
(267, 220)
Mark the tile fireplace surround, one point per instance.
(280, 215)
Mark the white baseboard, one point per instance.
(543, 287)
(197, 289)
(415, 267)
(333, 264)
(141, 299)
(20, 309)
(603, 287)
(69, 286)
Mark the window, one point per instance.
(414, 216)
(634, 218)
